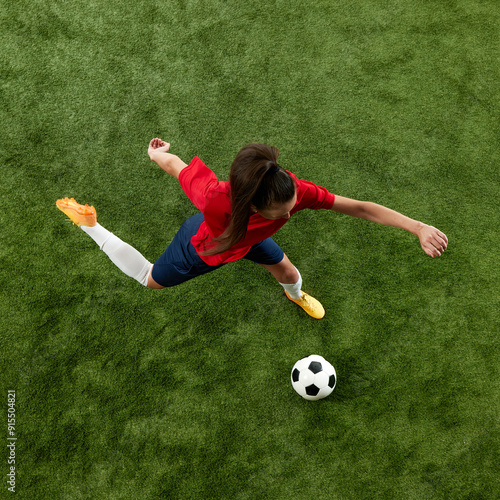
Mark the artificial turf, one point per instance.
(129, 393)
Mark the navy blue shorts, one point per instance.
(180, 262)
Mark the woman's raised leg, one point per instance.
(124, 256)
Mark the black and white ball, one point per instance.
(314, 377)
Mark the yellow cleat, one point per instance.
(81, 215)
(310, 305)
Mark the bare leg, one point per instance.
(285, 272)
(152, 283)
(288, 277)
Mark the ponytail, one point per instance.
(255, 179)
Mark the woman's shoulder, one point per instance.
(312, 195)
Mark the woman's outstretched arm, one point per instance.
(432, 240)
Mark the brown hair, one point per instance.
(255, 178)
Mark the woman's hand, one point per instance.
(432, 240)
(157, 146)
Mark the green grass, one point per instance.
(128, 393)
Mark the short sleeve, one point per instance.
(310, 195)
(197, 180)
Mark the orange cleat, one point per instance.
(81, 215)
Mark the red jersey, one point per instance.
(213, 198)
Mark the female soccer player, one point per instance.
(236, 220)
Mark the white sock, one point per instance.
(124, 256)
(294, 288)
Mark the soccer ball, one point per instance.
(313, 377)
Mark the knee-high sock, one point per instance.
(123, 255)
(294, 288)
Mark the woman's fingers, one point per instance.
(434, 242)
(157, 143)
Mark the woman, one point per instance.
(236, 220)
